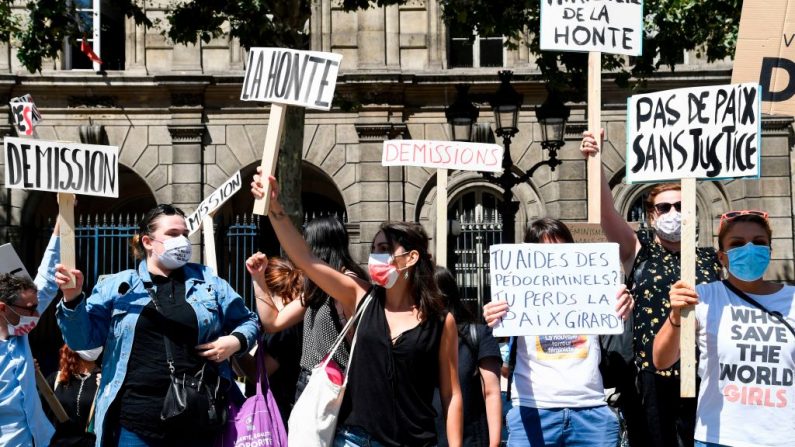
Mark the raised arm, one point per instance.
(45, 276)
(615, 227)
(270, 317)
(666, 343)
(344, 288)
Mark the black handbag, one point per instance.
(195, 402)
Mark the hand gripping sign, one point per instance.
(282, 77)
(701, 133)
(594, 26)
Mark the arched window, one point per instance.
(468, 256)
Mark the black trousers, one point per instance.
(669, 419)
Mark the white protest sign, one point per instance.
(10, 262)
(61, 167)
(214, 201)
(24, 114)
(299, 78)
(555, 289)
(461, 155)
(592, 25)
(707, 133)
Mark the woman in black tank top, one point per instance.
(407, 345)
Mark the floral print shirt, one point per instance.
(654, 271)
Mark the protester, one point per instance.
(75, 385)
(558, 399)
(195, 319)
(22, 419)
(280, 285)
(406, 345)
(746, 346)
(653, 265)
(478, 371)
(323, 317)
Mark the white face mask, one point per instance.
(90, 355)
(669, 226)
(176, 252)
(25, 325)
(381, 269)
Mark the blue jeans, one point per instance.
(350, 436)
(707, 444)
(131, 439)
(562, 427)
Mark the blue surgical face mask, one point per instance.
(749, 262)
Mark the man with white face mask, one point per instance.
(22, 420)
(652, 263)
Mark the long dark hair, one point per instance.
(328, 239)
(547, 229)
(452, 298)
(423, 288)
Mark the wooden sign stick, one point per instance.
(66, 212)
(595, 126)
(441, 217)
(208, 230)
(687, 334)
(270, 153)
(49, 397)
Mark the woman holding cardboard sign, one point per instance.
(406, 345)
(653, 265)
(168, 329)
(745, 338)
(556, 387)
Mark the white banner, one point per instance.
(555, 289)
(592, 25)
(10, 262)
(61, 167)
(443, 155)
(299, 78)
(214, 201)
(708, 133)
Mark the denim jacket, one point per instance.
(109, 316)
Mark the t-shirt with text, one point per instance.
(746, 365)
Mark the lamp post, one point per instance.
(552, 116)
(461, 115)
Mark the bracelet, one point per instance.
(672, 322)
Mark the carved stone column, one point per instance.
(186, 172)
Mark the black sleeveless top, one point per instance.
(390, 388)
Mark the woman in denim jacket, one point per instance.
(204, 321)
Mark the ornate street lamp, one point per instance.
(552, 116)
(506, 103)
(461, 115)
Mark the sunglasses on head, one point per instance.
(664, 207)
(161, 209)
(725, 217)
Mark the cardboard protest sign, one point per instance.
(24, 114)
(765, 53)
(461, 155)
(589, 232)
(286, 76)
(592, 25)
(61, 167)
(707, 133)
(214, 201)
(10, 262)
(556, 289)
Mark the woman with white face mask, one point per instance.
(652, 265)
(167, 318)
(745, 338)
(406, 343)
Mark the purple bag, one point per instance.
(258, 421)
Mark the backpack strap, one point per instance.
(773, 313)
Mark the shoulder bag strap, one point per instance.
(775, 314)
(514, 341)
(341, 337)
(169, 357)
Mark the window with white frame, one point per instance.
(468, 49)
(102, 23)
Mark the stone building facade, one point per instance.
(174, 112)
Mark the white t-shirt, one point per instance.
(558, 371)
(747, 368)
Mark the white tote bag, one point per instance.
(313, 420)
